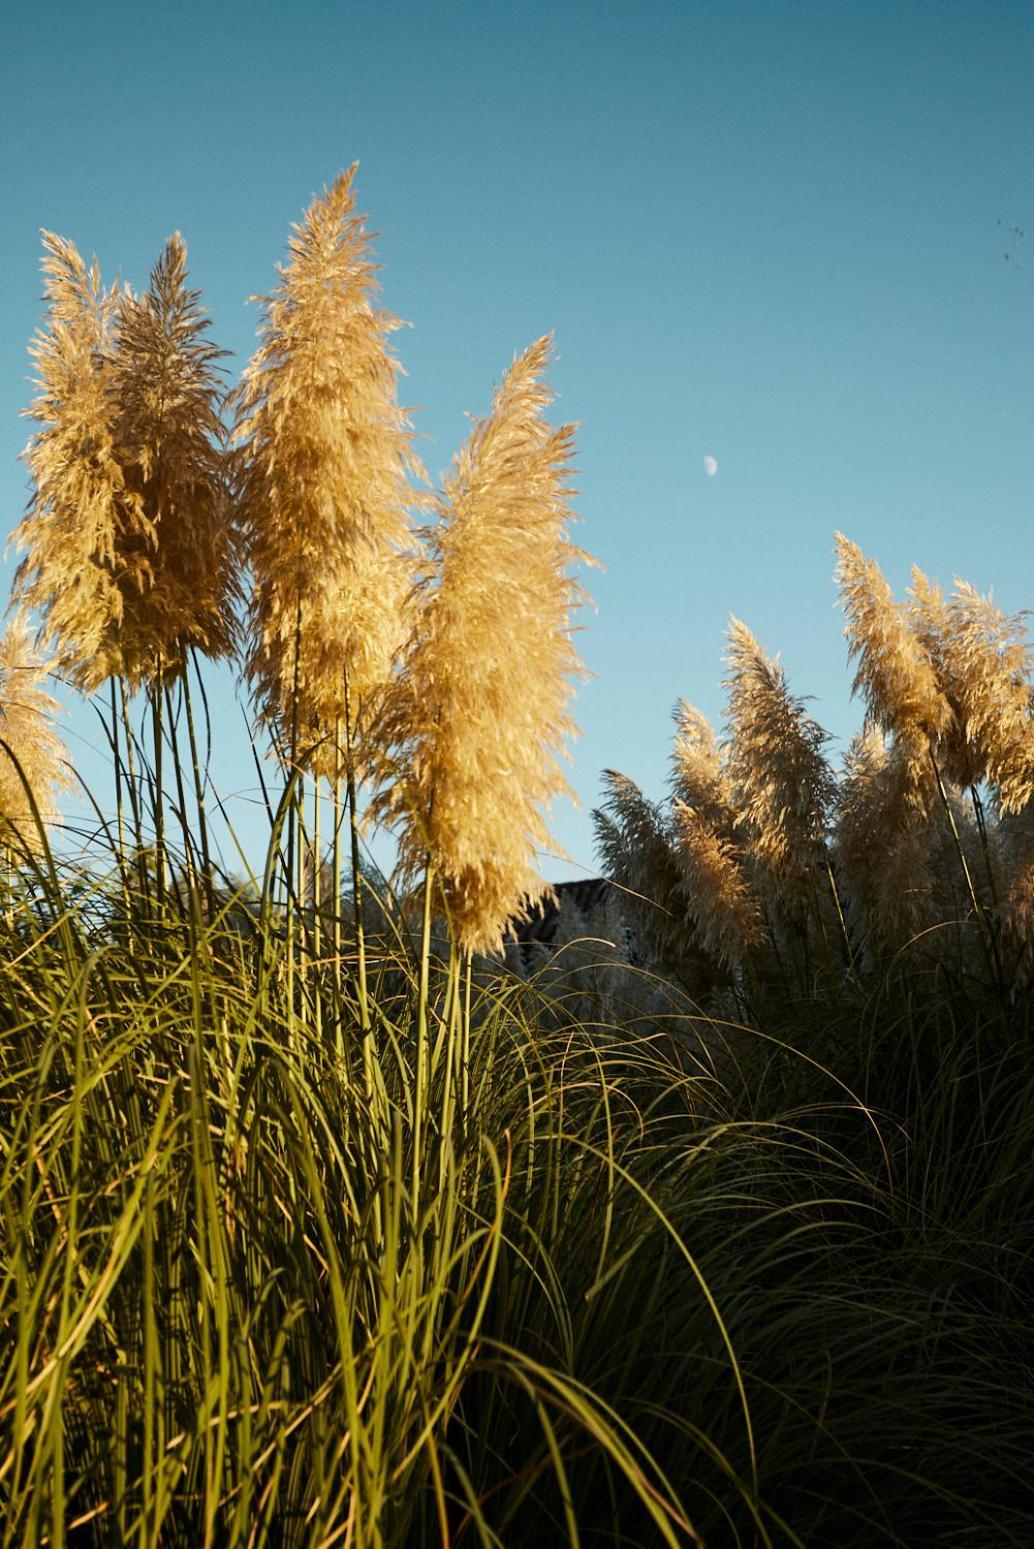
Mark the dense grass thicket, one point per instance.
(649, 1281)
(323, 1223)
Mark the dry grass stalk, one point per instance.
(325, 454)
(476, 723)
(782, 782)
(895, 675)
(26, 715)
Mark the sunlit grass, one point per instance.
(608, 1285)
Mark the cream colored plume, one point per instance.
(171, 447)
(129, 550)
(782, 783)
(883, 842)
(78, 513)
(26, 715)
(699, 778)
(636, 850)
(477, 721)
(895, 674)
(325, 454)
(726, 908)
(983, 661)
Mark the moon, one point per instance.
(710, 466)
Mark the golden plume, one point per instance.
(983, 661)
(699, 777)
(325, 452)
(71, 573)
(129, 554)
(895, 675)
(782, 783)
(883, 843)
(724, 903)
(477, 720)
(26, 713)
(170, 445)
(726, 908)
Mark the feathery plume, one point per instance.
(170, 444)
(782, 781)
(726, 908)
(882, 842)
(895, 675)
(725, 905)
(476, 721)
(699, 778)
(635, 851)
(71, 573)
(129, 556)
(983, 661)
(26, 714)
(325, 452)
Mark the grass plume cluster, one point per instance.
(791, 876)
(320, 1230)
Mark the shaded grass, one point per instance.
(627, 1301)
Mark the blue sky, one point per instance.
(763, 232)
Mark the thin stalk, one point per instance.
(841, 920)
(336, 850)
(303, 936)
(357, 876)
(981, 821)
(317, 932)
(199, 792)
(421, 1052)
(159, 799)
(454, 1044)
(181, 798)
(465, 1082)
(134, 794)
(120, 817)
(986, 933)
(292, 817)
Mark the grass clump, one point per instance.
(321, 1227)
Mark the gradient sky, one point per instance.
(773, 234)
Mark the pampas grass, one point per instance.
(33, 760)
(324, 460)
(438, 1255)
(983, 661)
(130, 558)
(170, 444)
(727, 909)
(699, 775)
(474, 726)
(707, 835)
(882, 845)
(783, 784)
(73, 573)
(895, 675)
